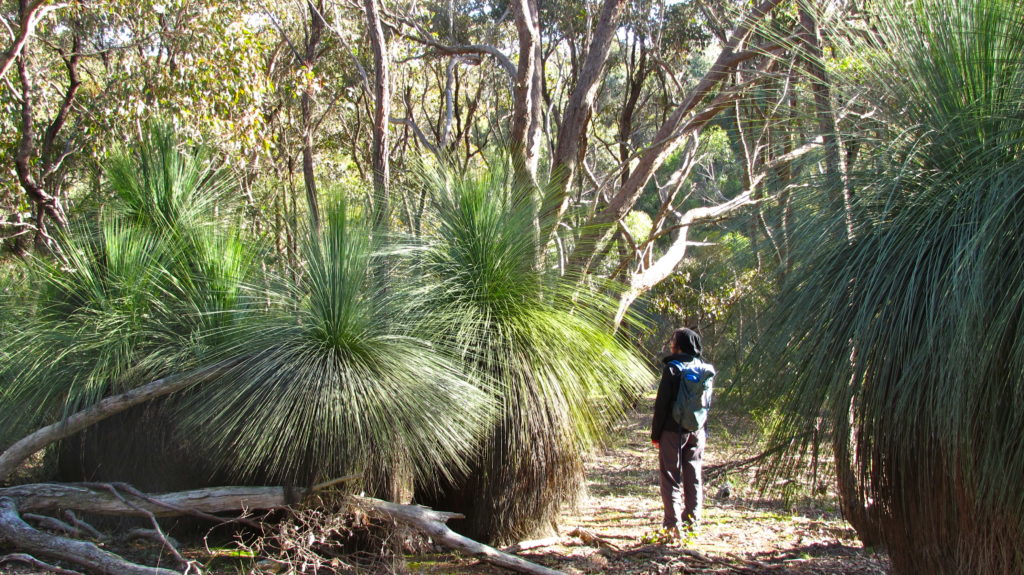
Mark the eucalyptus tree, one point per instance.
(913, 352)
(96, 71)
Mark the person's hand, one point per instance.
(655, 443)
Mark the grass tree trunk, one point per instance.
(510, 495)
(852, 489)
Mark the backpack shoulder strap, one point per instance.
(682, 377)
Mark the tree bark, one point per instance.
(634, 87)
(315, 34)
(835, 169)
(651, 275)
(33, 562)
(573, 129)
(382, 112)
(853, 503)
(28, 154)
(525, 136)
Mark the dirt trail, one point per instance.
(742, 532)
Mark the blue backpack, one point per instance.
(696, 379)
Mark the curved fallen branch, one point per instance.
(433, 524)
(32, 561)
(14, 455)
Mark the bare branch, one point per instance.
(644, 280)
(433, 524)
(669, 135)
(21, 535)
(420, 136)
(32, 14)
(424, 37)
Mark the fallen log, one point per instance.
(91, 498)
(16, 533)
(121, 500)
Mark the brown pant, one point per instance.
(679, 460)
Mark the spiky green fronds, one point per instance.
(162, 184)
(100, 324)
(914, 343)
(334, 379)
(139, 295)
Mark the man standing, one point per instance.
(677, 429)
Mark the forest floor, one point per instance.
(613, 529)
(800, 533)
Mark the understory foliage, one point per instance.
(541, 349)
(905, 339)
(163, 286)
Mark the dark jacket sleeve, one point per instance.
(667, 390)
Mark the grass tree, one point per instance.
(914, 345)
(131, 296)
(335, 378)
(541, 349)
(163, 286)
